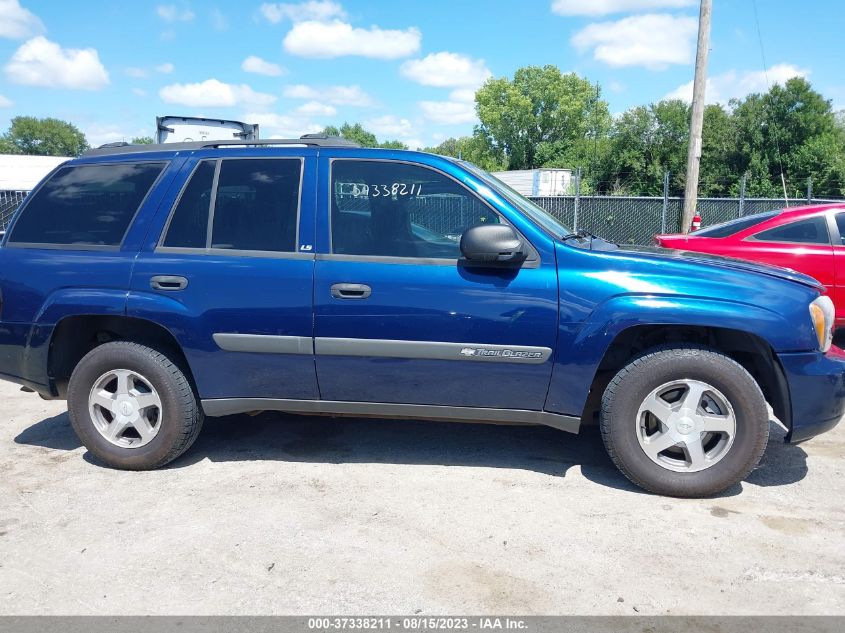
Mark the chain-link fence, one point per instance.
(9, 201)
(636, 220)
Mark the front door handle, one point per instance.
(168, 282)
(351, 291)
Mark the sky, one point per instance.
(405, 69)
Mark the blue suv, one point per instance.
(153, 285)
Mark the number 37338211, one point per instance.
(388, 190)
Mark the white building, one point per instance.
(539, 182)
(21, 173)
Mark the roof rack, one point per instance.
(308, 140)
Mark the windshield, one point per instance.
(537, 213)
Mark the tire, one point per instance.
(150, 435)
(714, 393)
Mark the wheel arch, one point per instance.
(74, 336)
(748, 349)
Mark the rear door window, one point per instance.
(253, 205)
(256, 205)
(189, 224)
(809, 231)
(86, 205)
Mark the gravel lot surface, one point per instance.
(279, 514)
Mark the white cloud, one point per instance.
(16, 22)
(315, 108)
(448, 112)
(212, 93)
(654, 41)
(413, 143)
(282, 126)
(142, 73)
(445, 70)
(172, 13)
(606, 7)
(40, 62)
(5, 103)
(139, 92)
(339, 39)
(137, 73)
(336, 95)
(312, 10)
(463, 95)
(390, 125)
(100, 134)
(219, 21)
(732, 84)
(253, 64)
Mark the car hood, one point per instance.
(717, 261)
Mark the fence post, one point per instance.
(742, 194)
(577, 198)
(665, 201)
(809, 190)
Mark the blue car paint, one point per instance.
(269, 296)
(575, 301)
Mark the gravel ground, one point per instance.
(279, 514)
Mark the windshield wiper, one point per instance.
(584, 235)
(580, 234)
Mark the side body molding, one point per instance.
(230, 406)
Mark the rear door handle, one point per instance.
(168, 282)
(351, 291)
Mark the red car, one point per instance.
(810, 240)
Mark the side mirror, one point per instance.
(492, 244)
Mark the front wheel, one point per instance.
(684, 422)
(132, 406)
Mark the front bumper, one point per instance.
(816, 391)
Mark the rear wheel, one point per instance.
(686, 422)
(132, 406)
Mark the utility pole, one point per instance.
(697, 119)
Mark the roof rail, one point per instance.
(309, 140)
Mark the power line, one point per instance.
(769, 88)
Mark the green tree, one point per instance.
(143, 140)
(717, 177)
(356, 133)
(43, 137)
(541, 116)
(782, 132)
(475, 149)
(643, 143)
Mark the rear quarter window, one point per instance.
(809, 231)
(86, 205)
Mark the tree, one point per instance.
(540, 116)
(717, 176)
(357, 134)
(474, 149)
(644, 143)
(143, 140)
(779, 132)
(43, 137)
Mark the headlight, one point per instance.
(822, 313)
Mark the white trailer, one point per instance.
(19, 172)
(182, 129)
(538, 182)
